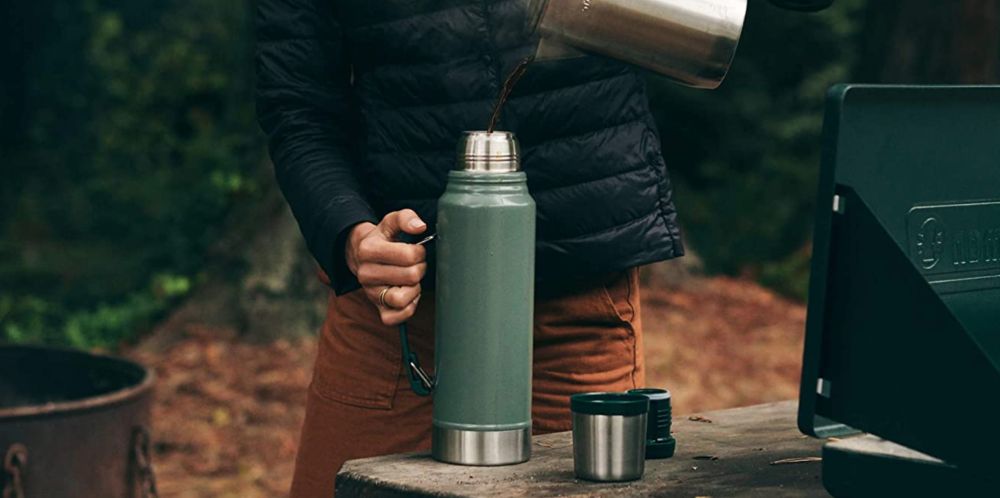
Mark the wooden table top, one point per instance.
(753, 451)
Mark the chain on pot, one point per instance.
(143, 464)
(13, 464)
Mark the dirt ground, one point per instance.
(227, 412)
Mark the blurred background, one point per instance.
(138, 211)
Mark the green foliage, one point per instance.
(140, 141)
(745, 158)
(127, 143)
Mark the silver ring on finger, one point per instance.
(381, 298)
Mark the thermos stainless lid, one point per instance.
(489, 152)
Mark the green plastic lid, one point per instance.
(609, 404)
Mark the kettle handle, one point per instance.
(420, 381)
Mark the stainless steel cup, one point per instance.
(609, 436)
(690, 41)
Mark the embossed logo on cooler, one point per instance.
(957, 245)
(930, 243)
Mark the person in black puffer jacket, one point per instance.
(363, 103)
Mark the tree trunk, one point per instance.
(262, 284)
(931, 41)
(280, 295)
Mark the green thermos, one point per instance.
(484, 309)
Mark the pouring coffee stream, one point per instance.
(505, 91)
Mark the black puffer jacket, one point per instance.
(363, 101)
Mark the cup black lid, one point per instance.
(654, 394)
(609, 404)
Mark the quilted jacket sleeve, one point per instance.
(305, 105)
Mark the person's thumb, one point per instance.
(405, 220)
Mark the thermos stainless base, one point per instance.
(481, 448)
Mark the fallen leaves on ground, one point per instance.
(722, 342)
(227, 414)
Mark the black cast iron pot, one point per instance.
(73, 424)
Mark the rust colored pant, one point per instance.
(360, 404)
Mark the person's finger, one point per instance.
(401, 297)
(396, 317)
(375, 294)
(405, 220)
(395, 298)
(379, 250)
(372, 274)
(411, 223)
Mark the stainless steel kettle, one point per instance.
(690, 41)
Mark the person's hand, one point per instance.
(389, 271)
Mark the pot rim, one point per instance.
(113, 398)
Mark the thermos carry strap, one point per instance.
(420, 381)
